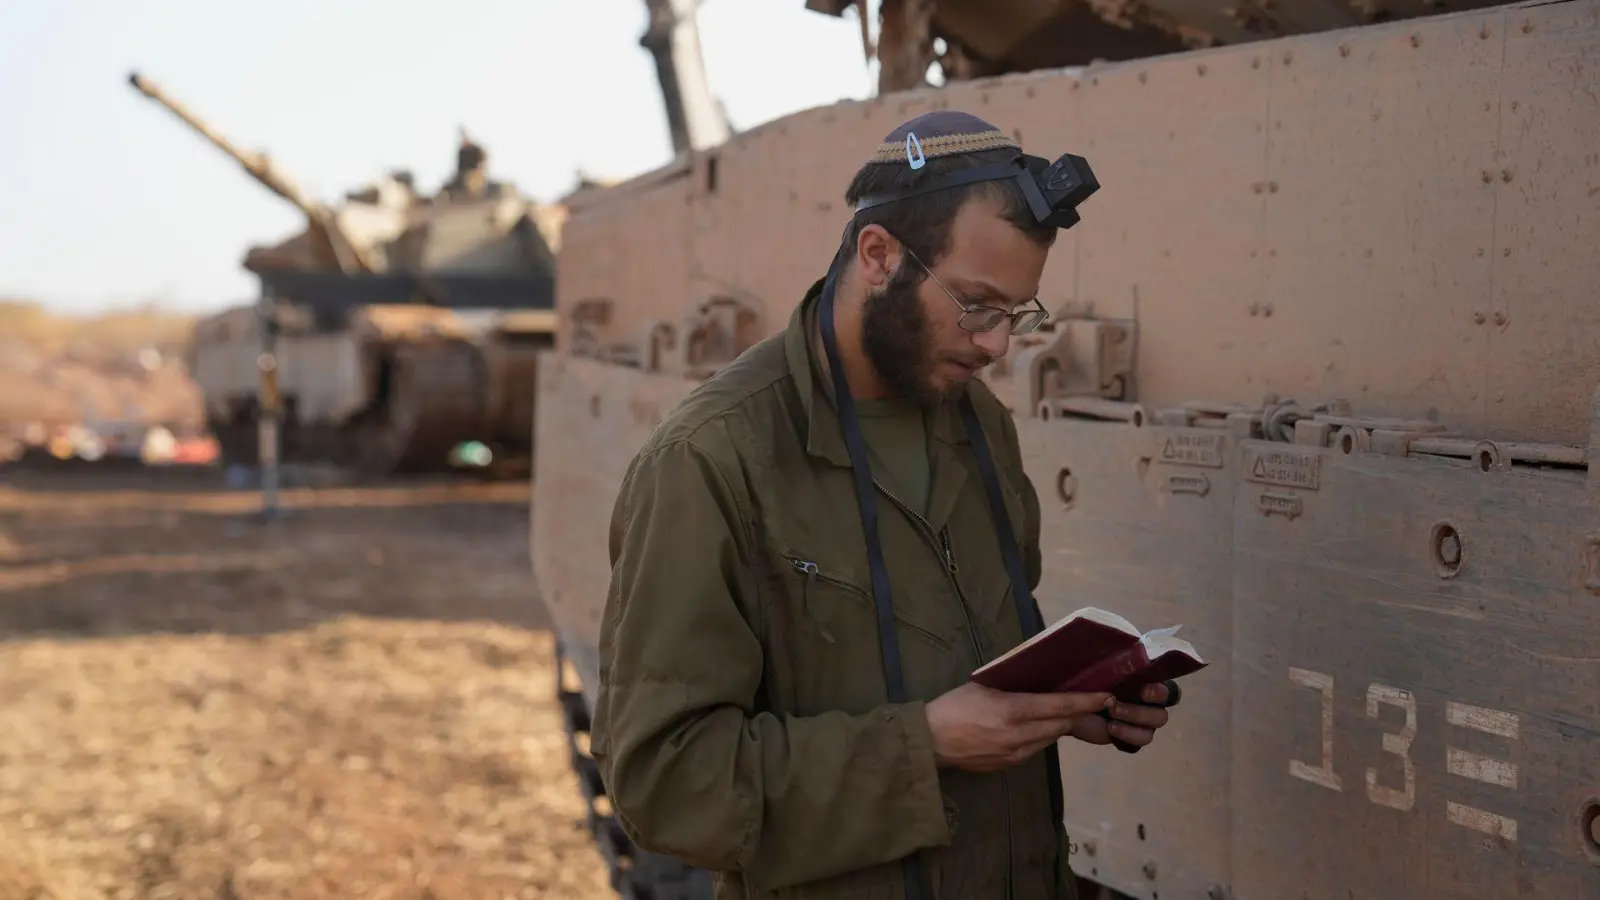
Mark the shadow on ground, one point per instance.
(126, 551)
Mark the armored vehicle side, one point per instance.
(405, 324)
(1320, 384)
(981, 38)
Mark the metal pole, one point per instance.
(269, 403)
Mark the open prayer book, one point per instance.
(1092, 650)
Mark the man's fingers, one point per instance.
(1135, 714)
(1132, 734)
(1057, 706)
(1043, 731)
(1164, 693)
(1092, 730)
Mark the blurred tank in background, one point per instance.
(406, 324)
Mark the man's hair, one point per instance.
(922, 223)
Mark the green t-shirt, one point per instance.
(897, 437)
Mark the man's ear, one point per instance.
(877, 254)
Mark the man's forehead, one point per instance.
(989, 256)
(989, 284)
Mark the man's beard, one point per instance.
(897, 338)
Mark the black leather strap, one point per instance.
(888, 634)
(1028, 614)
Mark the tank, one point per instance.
(405, 324)
(969, 39)
(1321, 383)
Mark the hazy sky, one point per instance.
(107, 199)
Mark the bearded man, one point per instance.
(815, 550)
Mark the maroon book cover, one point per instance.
(1092, 650)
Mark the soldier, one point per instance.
(755, 717)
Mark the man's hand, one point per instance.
(1130, 723)
(983, 730)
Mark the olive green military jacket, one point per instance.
(742, 724)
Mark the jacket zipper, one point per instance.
(941, 544)
(810, 570)
(813, 572)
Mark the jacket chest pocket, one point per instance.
(828, 653)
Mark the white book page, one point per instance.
(1092, 613)
(1165, 641)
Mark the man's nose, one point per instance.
(995, 341)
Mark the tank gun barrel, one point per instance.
(694, 117)
(257, 164)
(350, 256)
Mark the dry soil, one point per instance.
(352, 701)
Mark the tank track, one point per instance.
(635, 874)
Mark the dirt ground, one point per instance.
(353, 701)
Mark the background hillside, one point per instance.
(125, 364)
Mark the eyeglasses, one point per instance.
(978, 317)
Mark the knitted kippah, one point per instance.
(943, 132)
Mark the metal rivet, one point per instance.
(1450, 551)
(1447, 549)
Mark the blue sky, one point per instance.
(107, 200)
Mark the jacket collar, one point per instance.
(804, 352)
(808, 370)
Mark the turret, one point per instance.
(333, 245)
